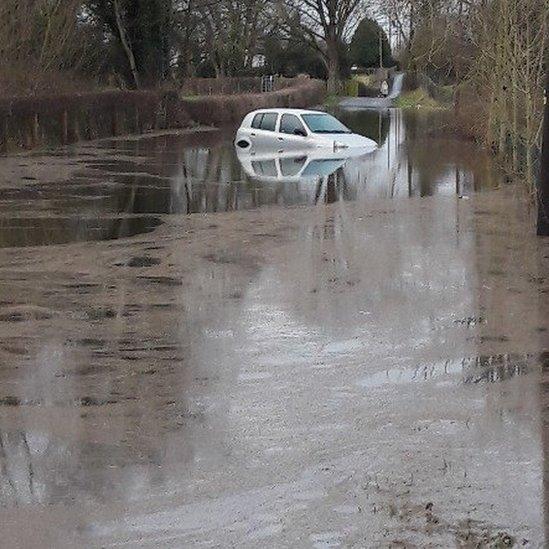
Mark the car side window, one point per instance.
(289, 123)
(256, 122)
(268, 122)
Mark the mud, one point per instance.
(358, 373)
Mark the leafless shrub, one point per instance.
(41, 41)
(230, 109)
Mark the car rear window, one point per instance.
(268, 122)
(265, 121)
(256, 122)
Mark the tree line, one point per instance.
(145, 43)
(491, 52)
(495, 53)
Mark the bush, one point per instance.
(230, 109)
(351, 88)
(58, 119)
(416, 99)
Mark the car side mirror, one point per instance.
(300, 132)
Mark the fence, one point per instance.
(234, 85)
(221, 86)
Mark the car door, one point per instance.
(262, 132)
(292, 133)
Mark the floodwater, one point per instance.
(347, 358)
(116, 189)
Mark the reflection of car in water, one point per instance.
(296, 129)
(295, 166)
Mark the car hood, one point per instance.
(345, 140)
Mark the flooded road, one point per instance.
(118, 188)
(354, 359)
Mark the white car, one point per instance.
(297, 129)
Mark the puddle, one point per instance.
(185, 174)
(43, 231)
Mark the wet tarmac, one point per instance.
(353, 359)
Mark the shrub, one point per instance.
(58, 119)
(27, 122)
(230, 109)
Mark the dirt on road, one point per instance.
(368, 373)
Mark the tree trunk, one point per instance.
(333, 81)
(332, 66)
(125, 43)
(543, 185)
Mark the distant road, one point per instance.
(375, 102)
(366, 103)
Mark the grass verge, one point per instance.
(420, 99)
(332, 100)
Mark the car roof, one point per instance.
(287, 111)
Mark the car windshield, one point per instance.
(324, 123)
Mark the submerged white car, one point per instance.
(297, 129)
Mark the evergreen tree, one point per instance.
(365, 45)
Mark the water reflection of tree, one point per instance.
(504, 261)
(130, 392)
(196, 173)
(434, 156)
(374, 124)
(334, 187)
(147, 426)
(40, 231)
(544, 424)
(417, 156)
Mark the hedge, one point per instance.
(28, 122)
(230, 109)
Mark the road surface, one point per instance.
(375, 102)
(365, 367)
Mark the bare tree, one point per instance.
(325, 25)
(510, 38)
(185, 33)
(39, 38)
(493, 51)
(124, 40)
(230, 31)
(543, 185)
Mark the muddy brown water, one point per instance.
(354, 359)
(119, 188)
